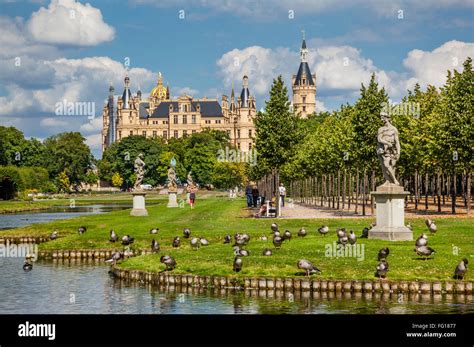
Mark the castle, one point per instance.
(161, 115)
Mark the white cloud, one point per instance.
(94, 141)
(431, 67)
(93, 125)
(71, 23)
(178, 91)
(50, 122)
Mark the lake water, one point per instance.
(87, 288)
(21, 219)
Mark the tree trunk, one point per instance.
(426, 190)
(468, 193)
(371, 196)
(438, 188)
(453, 196)
(357, 192)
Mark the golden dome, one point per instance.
(159, 91)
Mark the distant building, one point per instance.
(161, 115)
(304, 86)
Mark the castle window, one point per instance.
(208, 121)
(304, 81)
(176, 135)
(165, 134)
(238, 145)
(304, 99)
(304, 108)
(193, 119)
(250, 146)
(131, 132)
(144, 133)
(250, 133)
(165, 122)
(154, 133)
(185, 108)
(175, 119)
(228, 133)
(218, 121)
(238, 135)
(185, 119)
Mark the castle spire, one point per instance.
(127, 95)
(304, 50)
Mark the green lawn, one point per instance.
(215, 217)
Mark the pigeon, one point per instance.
(154, 230)
(263, 238)
(277, 241)
(381, 269)
(352, 238)
(267, 252)
(241, 239)
(323, 230)
(286, 235)
(168, 261)
(422, 240)
(227, 239)
(274, 227)
(302, 232)
(127, 240)
(431, 226)
(307, 266)
(341, 232)
(195, 243)
(424, 251)
(343, 240)
(187, 233)
(127, 253)
(116, 256)
(81, 230)
(240, 252)
(155, 246)
(461, 270)
(276, 233)
(383, 253)
(113, 236)
(204, 242)
(27, 266)
(237, 264)
(176, 242)
(365, 233)
(53, 236)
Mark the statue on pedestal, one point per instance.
(172, 181)
(139, 167)
(388, 149)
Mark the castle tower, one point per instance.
(304, 86)
(110, 107)
(127, 95)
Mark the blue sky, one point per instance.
(197, 53)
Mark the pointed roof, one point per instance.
(305, 72)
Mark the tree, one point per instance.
(365, 122)
(63, 182)
(117, 180)
(91, 178)
(12, 143)
(277, 130)
(68, 153)
(228, 175)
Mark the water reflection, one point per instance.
(87, 287)
(16, 220)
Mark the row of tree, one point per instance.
(438, 138)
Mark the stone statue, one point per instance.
(388, 149)
(139, 166)
(172, 181)
(190, 179)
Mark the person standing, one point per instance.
(248, 193)
(282, 191)
(254, 195)
(192, 197)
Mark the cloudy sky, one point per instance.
(70, 50)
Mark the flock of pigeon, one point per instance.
(241, 240)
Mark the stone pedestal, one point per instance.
(390, 214)
(172, 199)
(139, 204)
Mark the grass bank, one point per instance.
(214, 217)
